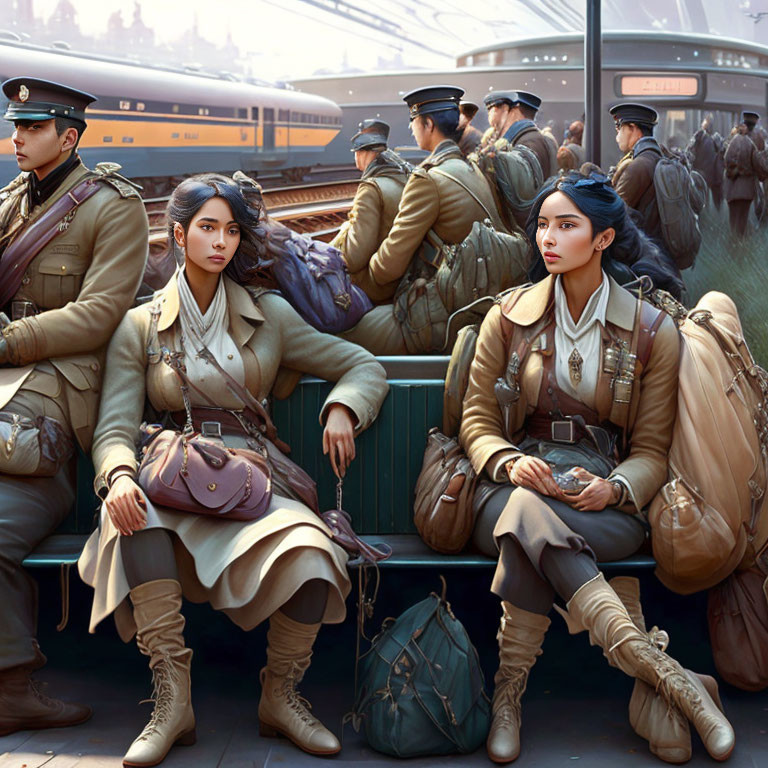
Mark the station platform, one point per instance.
(574, 711)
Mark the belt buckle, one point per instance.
(211, 429)
(21, 309)
(563, 431)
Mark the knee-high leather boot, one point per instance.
(664, 727)
(281, 709)
(159, 623)
(520, 637)
(598, 608)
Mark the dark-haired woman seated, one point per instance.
(284, 565)
(569, 412)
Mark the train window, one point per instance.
(175, 108)
(242, 113)
(127, 139)
(283, 115)
(255, 114)
(140, 106)
(106, 139)
(125, 105)
(315, 119)
(269, 115)
(203, 111)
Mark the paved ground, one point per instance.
(574, 709)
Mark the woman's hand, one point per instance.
(598, 495)
(126, 506)
(339, 438)
(535, 474)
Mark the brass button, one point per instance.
(26, 280)
(230, 357)
(63, 267)
(94, 366)
(211, 486)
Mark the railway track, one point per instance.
(316, 209)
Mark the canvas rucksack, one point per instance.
(421, 690)
(449, 279)
(708, 520)
(679, 201)
(515, 172)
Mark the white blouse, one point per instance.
(578, 345)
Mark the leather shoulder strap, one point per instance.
(447, 175)
(651, 319)
(18, 255)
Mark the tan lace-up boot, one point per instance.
(520, 637)
(598, 608)
(157, 611)
(664, 727)
(281, 710)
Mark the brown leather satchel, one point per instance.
(442, 511)
(193, 473)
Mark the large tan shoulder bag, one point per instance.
(708, 520)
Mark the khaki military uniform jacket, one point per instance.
(269, 334)
(82, 282)
(490, 443)
(431, 201)
(373, 212)
(633, 181)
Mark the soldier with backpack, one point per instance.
(745, 168)
(511, 113)
(444, 199)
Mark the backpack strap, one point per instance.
(447, 175)
(651, 319)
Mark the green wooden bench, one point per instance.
(378, 489)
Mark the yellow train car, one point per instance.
(163, 123)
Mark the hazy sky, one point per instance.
(289, 38)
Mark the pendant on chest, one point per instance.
(575, 365)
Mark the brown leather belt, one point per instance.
(215, 422)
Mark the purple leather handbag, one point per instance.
(314, 279)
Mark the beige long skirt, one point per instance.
(246, 569)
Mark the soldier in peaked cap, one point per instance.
(445, 194)
(375, 205)
(633, 177)
(73, 243)
(471, 138)
(511, 115)
(754, 131)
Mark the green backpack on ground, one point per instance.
(421, 690)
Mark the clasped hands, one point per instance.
(535, 474)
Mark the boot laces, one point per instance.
(672, 682)
(163, 680)
(506, 697)
(37, 691)
(296, 702)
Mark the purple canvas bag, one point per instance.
(314, 279)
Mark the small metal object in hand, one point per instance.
(569, 484)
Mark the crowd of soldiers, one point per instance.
(388, 216)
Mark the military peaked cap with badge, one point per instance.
(494, 98)
(434, 98)
(30, 98)
(750, 117)
(370, 133)
(629, 112)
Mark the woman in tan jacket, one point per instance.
(568, 412)
(284, 565)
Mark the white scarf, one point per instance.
(212, 331)
(584, 337)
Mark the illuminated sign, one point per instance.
(659, 85)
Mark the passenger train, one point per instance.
(159, 123)
(684, 76)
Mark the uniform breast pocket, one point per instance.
(60, 277)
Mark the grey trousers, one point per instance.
(31, 508)
(547, 548)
